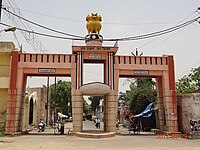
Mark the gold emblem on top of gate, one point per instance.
(93, 23)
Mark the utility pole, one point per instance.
(55, 96)
(47, 111)
(0, 8)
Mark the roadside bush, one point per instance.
(2, 121)
(2, 133)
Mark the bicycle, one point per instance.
(57, 128)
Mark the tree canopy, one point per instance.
(142, 92)
(61, 97)
(95, 101)
(189, 83)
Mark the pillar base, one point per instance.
(95, 135)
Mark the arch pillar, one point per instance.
(169, 95)
(160, 115)
(77, 97)
(15, 96)
(167, 99)
(110, 111)
(77, 110)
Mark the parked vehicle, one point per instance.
(41, 126)
(135, 125)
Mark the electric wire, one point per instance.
(158, 33)
(161, 41)
(109, 23)
(51, 16)
(32, 40)
(42, 34)
(47, 28)
(16, 39)
(21, 17)
(24, 33)
(149, 42)
(144, 36)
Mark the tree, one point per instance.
(195, 77)
(189, 83)
(95, 101)
(124, 96)
(61, 97)
(86, 106)
(141, 93)
(184, 86)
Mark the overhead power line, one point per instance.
(109, 23)
(32, 39)
(158, 33)
(51, 16)
(144, 36)
(153, 41)
(76, 37)
(39, 25)
(43, 34)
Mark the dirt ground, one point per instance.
(49, 141)
(127, 142)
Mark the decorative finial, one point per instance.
(93, 23)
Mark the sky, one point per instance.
(120, 18)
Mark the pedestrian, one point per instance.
(97, 124)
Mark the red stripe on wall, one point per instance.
(13, 70)
(172, 83)
(11, 109)
(79, 74)
(110, 57)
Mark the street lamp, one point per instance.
(13, 30)
(9, 29)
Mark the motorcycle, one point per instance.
(195, 125)
(97, 123)
(135, 125)
(41, 126)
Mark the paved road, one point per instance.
(87, 126)
(140, 142)
(127, 142)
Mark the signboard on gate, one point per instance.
(95, 56)
(45, 70)
(144, 72)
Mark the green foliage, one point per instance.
(141, 93)
(2, 134)
(124, 96)
(60, 96)
(195, 77)
(85, 106)
(95, 101)
(184, 86)
(2, 120)
(189, 83)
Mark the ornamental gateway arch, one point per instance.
(114, 66)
